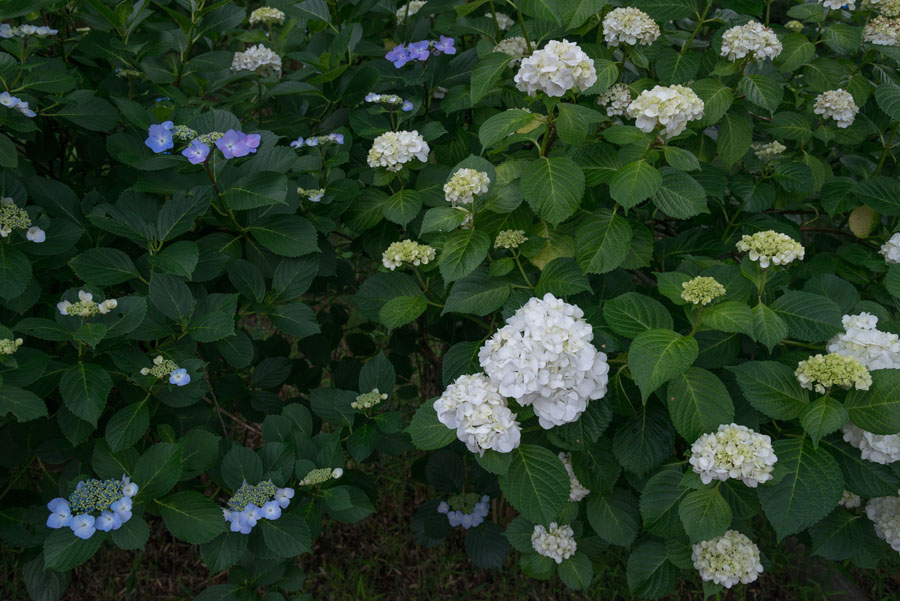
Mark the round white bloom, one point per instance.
(616, 99)
(464, 184)
(891, 249)
(258, 59)
(557, 542)
(838, 105)
(629, 26)
(727, 559)
(409, 9)
(885, 515)
(514, 46)
(770, 247)
(504, 22)
(878, 448)
(407, 251)
(753, 39)
(475, 409)
(395, 148)
(839, 4)
(872, 348)
(850, 500)
(671, 107)
(266, 15)
(882, 31)
(555, 69)
(733, 452)
(577, 490)
(543, 357)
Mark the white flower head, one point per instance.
(733, 451)
(838, 105)
(838, 4)
(727, 559)
(407, 251)
(555, 69)
(850, 500)
(821, 372)
(771, 247)
(465, 184)
(629, 26)
(258, 59)
(882, 31)
(891, 249)
(877, 448)
(669, 107)
(616, 99)
(266, 15)
(871, 347)
(394, 149)
(473, 407)
(515, 46)
(35, 234)
(504, 22)
(557, 542)
(408, 10)
(577, 491)
(753, 39)
(885, 515)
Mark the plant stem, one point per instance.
(700, 23)
(522, 270)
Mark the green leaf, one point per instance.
(497, 127)
(810, 487)
(660, 499)
(553, 187)
(648, 571)
(178, 259)
(171, 296)
(865, 478)
(476, 294)
(881, 193)
(441, 219)
(402, 207)
(224, 551)
(717, 99)
(24, 404)
(839, 536)
(295, 319)
(704, 514)
(127, 426)
(133, 534)
(537, 483)
(576, 572)
(544, 10)
(157, 470)
(191, 517)
(240, 465)
(794, 176)
(674, 67)
(104, 267)
(614, 516)
(463, 251)
(698, 402)
(179, 212)
(643, 442)
(796, 51)
(601, 241)
(426, 431)
(15, 272)
(762, 90)
(681, 159)
(887, 95)
(878, 409)
(288, 536)
(822, 417)
(634, 183)
(259, 189)
(285, 235)
(730, 316)
(768, 327)
(64, 551)
(735, 136)
(631, 313)
(562, 277)
(486, 73)
(771, 388)
(658, 355)
(680, 195)
(667, 10)
(573, 122)
(809, 317)
(84, 388)
(247, 278)
(378, 372)
(486, 546)
(333, 405)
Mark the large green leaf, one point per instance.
(601, 241)
(562, 277)
(158, 470)
(553, 187)
(477, 294)
(729, 316)
(822, 417)
(771, 388)
(426, 431)
(486, 73)
(768, 327)
(698, 402)
(23, 404)
(881, 193)
(285, 235)
(63, 550)
(631, 313)
(614, 516)
(762, 90)
(288, 536)
(84, 388)
(658, 355)
(809, 317)
(877, 409)
(660, 499)
(402, 206)
(680, 195)
(104, 266)
(643, 442)
(537, 483)
(634, 183)
(649, 572)
(704, 514)
(192, 517)
(260, 189)
(463, 251)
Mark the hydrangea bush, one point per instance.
(613, 280)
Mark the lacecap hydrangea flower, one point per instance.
(85, 306)
(258, 59)
(15, 103)
(753, 39)
(166, 368)
(733, 451)
(838, 105)
(727, 559)
(510, 239)
(321, 475)
(821, 372)
(9, 346)
(465, 509)
(850, 500)
(391, 100)
(543, 357)
(767, 152)
(159, 137)
(409, 9)
(266, 15)
(616, 99)
(314, 141)
(629, 26)
(234, 144)
(369, 399)
(557, 542)
(407, 251)
(891, 249)
(701, 290)
(771, 247)
(473, 407)
(94, 505)
(312, 194)
(420, 51)
(515, 46)
(885, 515)
(839, 4)
(7, 31)
(555, 69)
(465, 184)
(668, 106)
(13, 218)
(393, 149)
(251, 503)
(577, 491)
(882, 31)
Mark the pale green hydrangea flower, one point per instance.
(320, 475)
(767, 152)
(821, 372)
(702, 290)
(770, 247)
(266, 15)
(465, 184)
(510, 239)
(407, 251)
(85, 306)
(369, 399)
(727, 559)
(161, 368)
(8, 346)
(795, 26)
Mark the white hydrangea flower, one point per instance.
(838, 105)
(629, 26)
(393, 149)
(727, 559)
(543, 357)
(671, 107)
(266, 15)
(767, 152)
(616, 99)
(473, 407)
(733, 451)
(771, 247)
(753, 39)
(504, 22)
(515, 46)
(258, 59)
(878, 448)
(555, 69)
(557, 542)
(882, 31)
(409, 9)
(465, 184)
(839, 4)
(850, 500)
(821, 372)
(861, 340)
(885, 515)
(577, 491)
(890, 8)
(407, 251)
(891, 249)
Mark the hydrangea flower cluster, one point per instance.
(794, 26)
(555, 69)
(753, 39)
(473, 407)
(13, 218)
(821, 372)
(320, 475)
(701, 290)
(465, 184)
(368, 400)
(733, 451)
(771, 247)
(21, 31)
(391, 100)
(850, 500)
(393, 149)
(250, 504)
(86, 307)
(543, 357)
(882, 31)
(577, 491)
(877, 448)
(420, 51)
(13, 102)
(515, 46)
(885, 515)
(9, 346)
(667, 106)
(839, 4)
(266, 15)
(257, 59)
(557, 542)
(232, 144)
(890, 8)
(510, 239)
(94, 505)
(861, 340)
(616, 99)
(407, 251)
(409, 9)
(313, 141)
(767, 152)
(838, 105)
(465, 509)
(163, 367)
(311, 194)
(629, 26)
(727, 559)
(504, 22)
(891, 249)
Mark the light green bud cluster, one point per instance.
(407, 251)
(161, 368)
(464, 502)
(12, 217)
(767, 152)
(8, 346)
(702, 290)
(821, 372)
(132, 73)
(259, 495)
(769, 247)
(183, 133)
(368, 400)
(510, 239)
(320, 475)
(313, 194)
(95, 496)
(795, 26)
(210, 138)
(267, 16)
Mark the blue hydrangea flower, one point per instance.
(298, 143)
(443, 507)
(107, 521)
(399, 55)
(233, 144)
(476, 511)
(97, 504)
(250, 516)
(445, 45)
(122, 509)
(419, 50)
(60, 513)
(129, 488)
(159, 138)
(251, 141)
(406, 106)
(336, 138)
(180, 377)
(83, 526)
(271, 510)
(283, 497)
(252, 503)
(197, 152)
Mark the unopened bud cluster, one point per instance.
(85, 306)
(701, 290)
(368, 400)
(409, 252)
(821, 372)
(510, 239)
(771, 247)
(320, 475)
(8, 346)
(13, 218)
